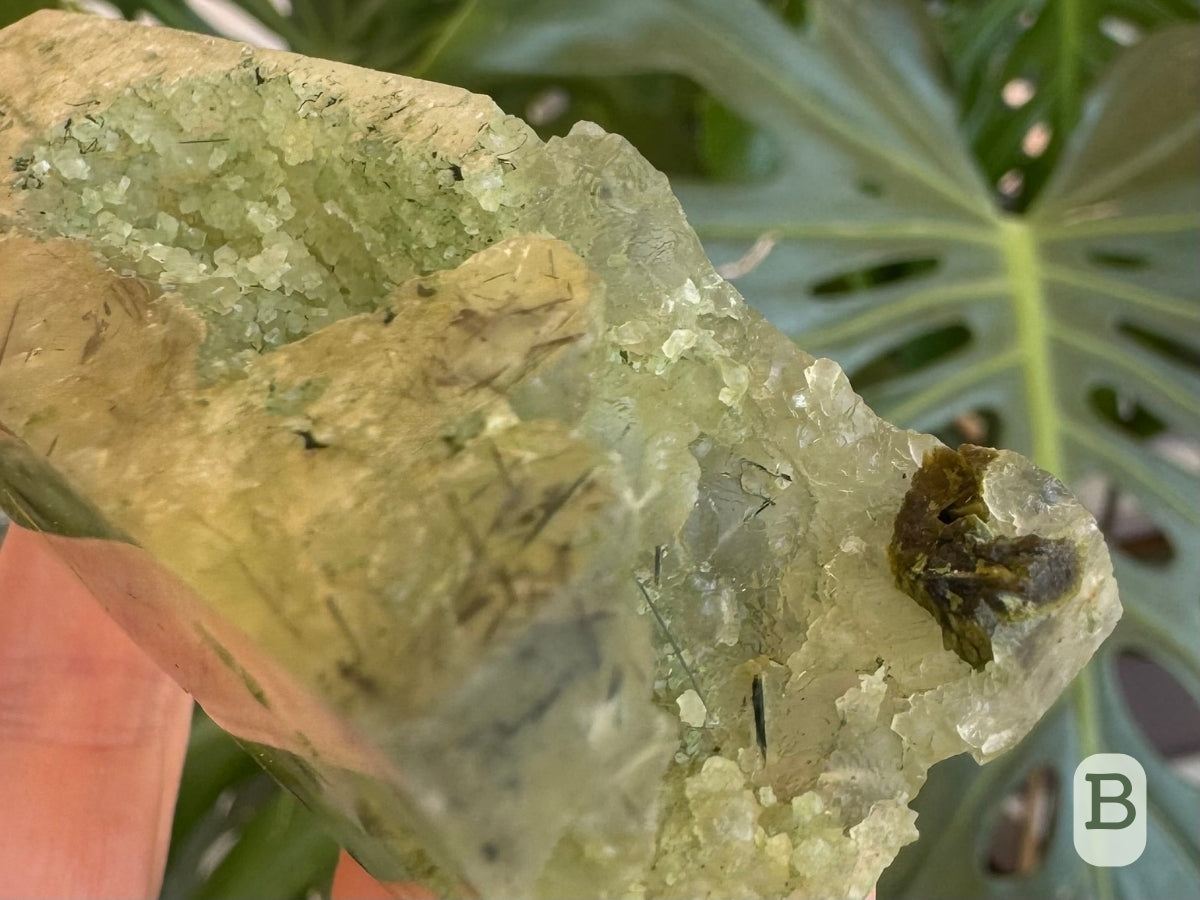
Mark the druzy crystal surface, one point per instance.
(443, 469)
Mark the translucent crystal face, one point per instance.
(498, 524)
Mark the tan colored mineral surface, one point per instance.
(443, 469)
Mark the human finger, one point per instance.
(92, 738)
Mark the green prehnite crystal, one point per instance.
(443, 469)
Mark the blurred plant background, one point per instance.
(987, 212)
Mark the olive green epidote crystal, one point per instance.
(443, 469)
(946, 556)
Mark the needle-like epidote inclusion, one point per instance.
(441, 466)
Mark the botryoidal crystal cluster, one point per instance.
(442, 468)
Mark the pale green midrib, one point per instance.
(1023, 266)
(1083, 704)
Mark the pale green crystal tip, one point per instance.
(448, 475)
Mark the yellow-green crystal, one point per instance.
(501, 529)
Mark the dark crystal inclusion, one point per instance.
(945, 556)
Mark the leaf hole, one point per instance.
(1127, 527)
(1165, 712)
(731, 147)
(663, 115)
(981, 427)
(1120, 31)
(547, 105)
(1141, 424)
(875, 276)
(1010, 185)
(1021, 836)
(1037, 139)
(1017, 92)
(1179, 450)
(911, 356)
(232, 21)
(1172, 349)
(1115, 259)
(1125, 413)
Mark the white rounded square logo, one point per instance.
(1110, 809)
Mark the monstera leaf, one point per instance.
(891, 255)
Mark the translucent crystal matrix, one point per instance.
(444, 470)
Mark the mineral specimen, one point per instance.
(448, 475)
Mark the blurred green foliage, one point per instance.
(236, 834)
